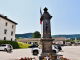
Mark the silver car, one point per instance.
(5, 46)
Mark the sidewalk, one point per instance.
(71, 52)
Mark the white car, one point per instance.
(5, 46)
(36, 50)
(55, 48)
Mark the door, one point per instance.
(0, 47)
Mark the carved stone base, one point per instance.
(47, 48)
(45, 54)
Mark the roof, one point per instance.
(29, 39)
(38, 39)
(5, 17)
(68, 39)
(59, 39)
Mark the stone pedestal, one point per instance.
(47, 48)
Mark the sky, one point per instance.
(65, 20)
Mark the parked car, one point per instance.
(32, 46)
(5, 46)
(55, 48)
(59, 47)
(78, 43)
(66, 44)
(36, 50)
(62, 44)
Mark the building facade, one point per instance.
(57, 40)
(7, 28)
(30, 40)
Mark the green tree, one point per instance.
(17, 38)
(36, 34)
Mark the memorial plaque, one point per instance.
(47, 46)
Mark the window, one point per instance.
(6, 24)
(12, 26)
(11, 33)
(4, 38)
(56, 47)
(11, 39)
(5, 31)
(3, 45)
(35, 42)
(29, 42)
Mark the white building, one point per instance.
(7, 28)
(57, 40)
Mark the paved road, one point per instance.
(71, 52)
(16, 54)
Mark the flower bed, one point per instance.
(28, 58)
(61, 58)
(45, 58)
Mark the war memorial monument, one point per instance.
(47, 39)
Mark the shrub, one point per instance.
(72, 42)
(15, 44)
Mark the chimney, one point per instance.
(5, 16)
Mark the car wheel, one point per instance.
(35, 53)
(54, 51)
(29, 47)
(59, 49)
(5, 49)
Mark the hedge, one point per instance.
(15, 44)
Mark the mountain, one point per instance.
(29, 35)
(68, 36)
(26, 35)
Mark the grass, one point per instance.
(16, 45)
(23, 45)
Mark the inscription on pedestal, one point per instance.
(46, 45)
(48, 33)
(44, 33)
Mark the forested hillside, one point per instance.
(29, 35)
